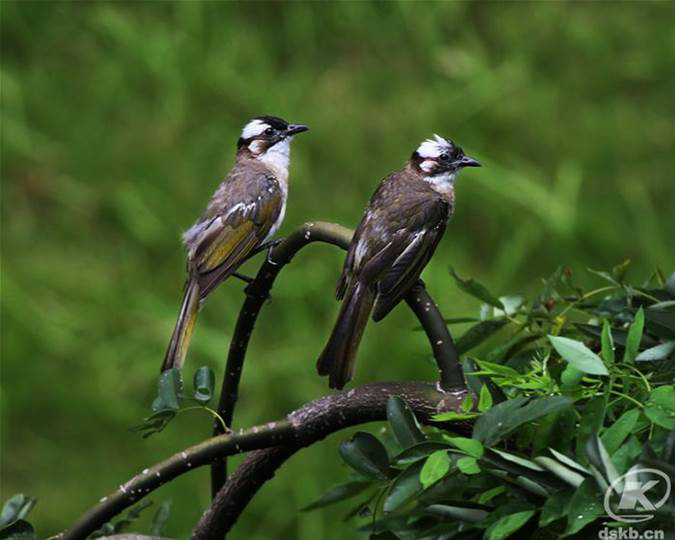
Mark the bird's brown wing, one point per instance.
(227, 238)
(412, 249)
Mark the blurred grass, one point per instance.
(118, 120)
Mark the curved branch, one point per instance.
(451, 376)
(303, 426)
(312, 423)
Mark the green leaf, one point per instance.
(508, 415)
(485, 400)
(591, 421)
(160, 518)
(338, 493)
(523, 462)
(511, 305)
(366, 454)
(566, 474)
(670, 285)
(470, 515)
(452, 415)
(619, 271)
(419, 451)
(601, 464)
(403, 423)
(471, 447)
(478, 333)
(626, 454)
(607, 342)
(578, 355)
(619, 430)
(468, 465)
(585, 506)
(634, 337)
(555, 507)
(660, 407)
(18, 530)
(507, 525)
(170, 390)
(571, 376)
(568, 461)
(660, 319)
(475, 289)
(604, 275)
(16, 508)
(404, 487)
(435, 467)
(204, 383)
(467, 403)
(660, 352)
(490, 494)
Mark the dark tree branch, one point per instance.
(257, 293)
(300, 428)
(451, 376)
(312, 423)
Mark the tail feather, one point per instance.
(182, 333)
(338, 357)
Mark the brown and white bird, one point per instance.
(244, 213)
(398, 233)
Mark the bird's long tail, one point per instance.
(180, 339)
(338, 357)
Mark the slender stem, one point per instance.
(625, 396)
(312, 423)
(451, 377)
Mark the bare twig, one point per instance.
(300, 428)
(451, 377)
(312, 423)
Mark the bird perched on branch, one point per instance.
(243, 214)
(399, 231)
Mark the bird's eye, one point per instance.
(269, 131)
(443, 157)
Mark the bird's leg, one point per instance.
(266, 246)
(242, 277)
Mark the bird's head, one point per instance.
(439, 156)
(268, 138)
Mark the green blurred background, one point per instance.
(118, 120)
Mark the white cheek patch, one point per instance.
(254, 128)
(428, 166)
(256, 147)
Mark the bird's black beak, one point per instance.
(293, 129)
(467, 161)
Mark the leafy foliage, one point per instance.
(171, 397)
(587, 378)
(13, 525)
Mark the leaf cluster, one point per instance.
(569, 391)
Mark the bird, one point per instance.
(246, 211)
(397, 235)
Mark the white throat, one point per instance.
(443, 183)
(278, 157)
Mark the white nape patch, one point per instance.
(443, 183)
(278, 156)
(254, 128)
(432, 148)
